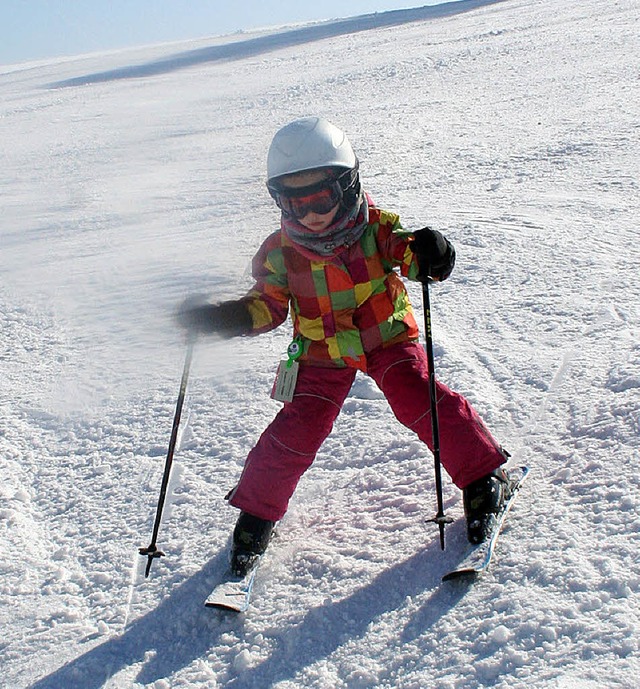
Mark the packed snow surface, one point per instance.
(133, 179)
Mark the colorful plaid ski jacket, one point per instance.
(343, 306)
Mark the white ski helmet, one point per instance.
(306, 144)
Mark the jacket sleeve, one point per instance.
(394, 244)
(268, 300)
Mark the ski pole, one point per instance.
(440, 519)
(152, 550)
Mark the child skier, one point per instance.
(333, 263)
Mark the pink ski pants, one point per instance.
(290, 443)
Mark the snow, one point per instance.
(512, 126)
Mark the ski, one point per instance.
(479, 559)
(234, 593)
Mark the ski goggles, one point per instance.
(320, 198)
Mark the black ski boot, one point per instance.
(250, 539)
(483, 499)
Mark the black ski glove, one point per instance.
(227, 319)
(436, 255)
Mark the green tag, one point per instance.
(294, 351)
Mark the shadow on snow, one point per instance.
(181, 630)
(286, 39)
(327, 627)
(177, 632)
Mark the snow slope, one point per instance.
(515, 127)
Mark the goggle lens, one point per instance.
(320, 202)
(298, 202)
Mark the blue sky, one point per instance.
(35, 29)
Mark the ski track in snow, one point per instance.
(513, 126)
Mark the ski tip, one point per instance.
(463, 575)
(227, 607)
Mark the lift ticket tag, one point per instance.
(287, 375)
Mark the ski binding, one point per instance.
(479, 559)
